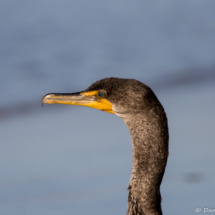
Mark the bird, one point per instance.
(146, 120)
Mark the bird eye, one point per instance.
(100, 94)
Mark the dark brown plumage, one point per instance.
(146, 121)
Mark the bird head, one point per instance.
(113, 95)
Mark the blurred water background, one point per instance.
(60, 160)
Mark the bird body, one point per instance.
(146, 121)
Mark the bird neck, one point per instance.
(149, 133)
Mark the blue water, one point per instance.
(74, 160)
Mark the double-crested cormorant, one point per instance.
(146, 120)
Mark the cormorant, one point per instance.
(146, 121)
